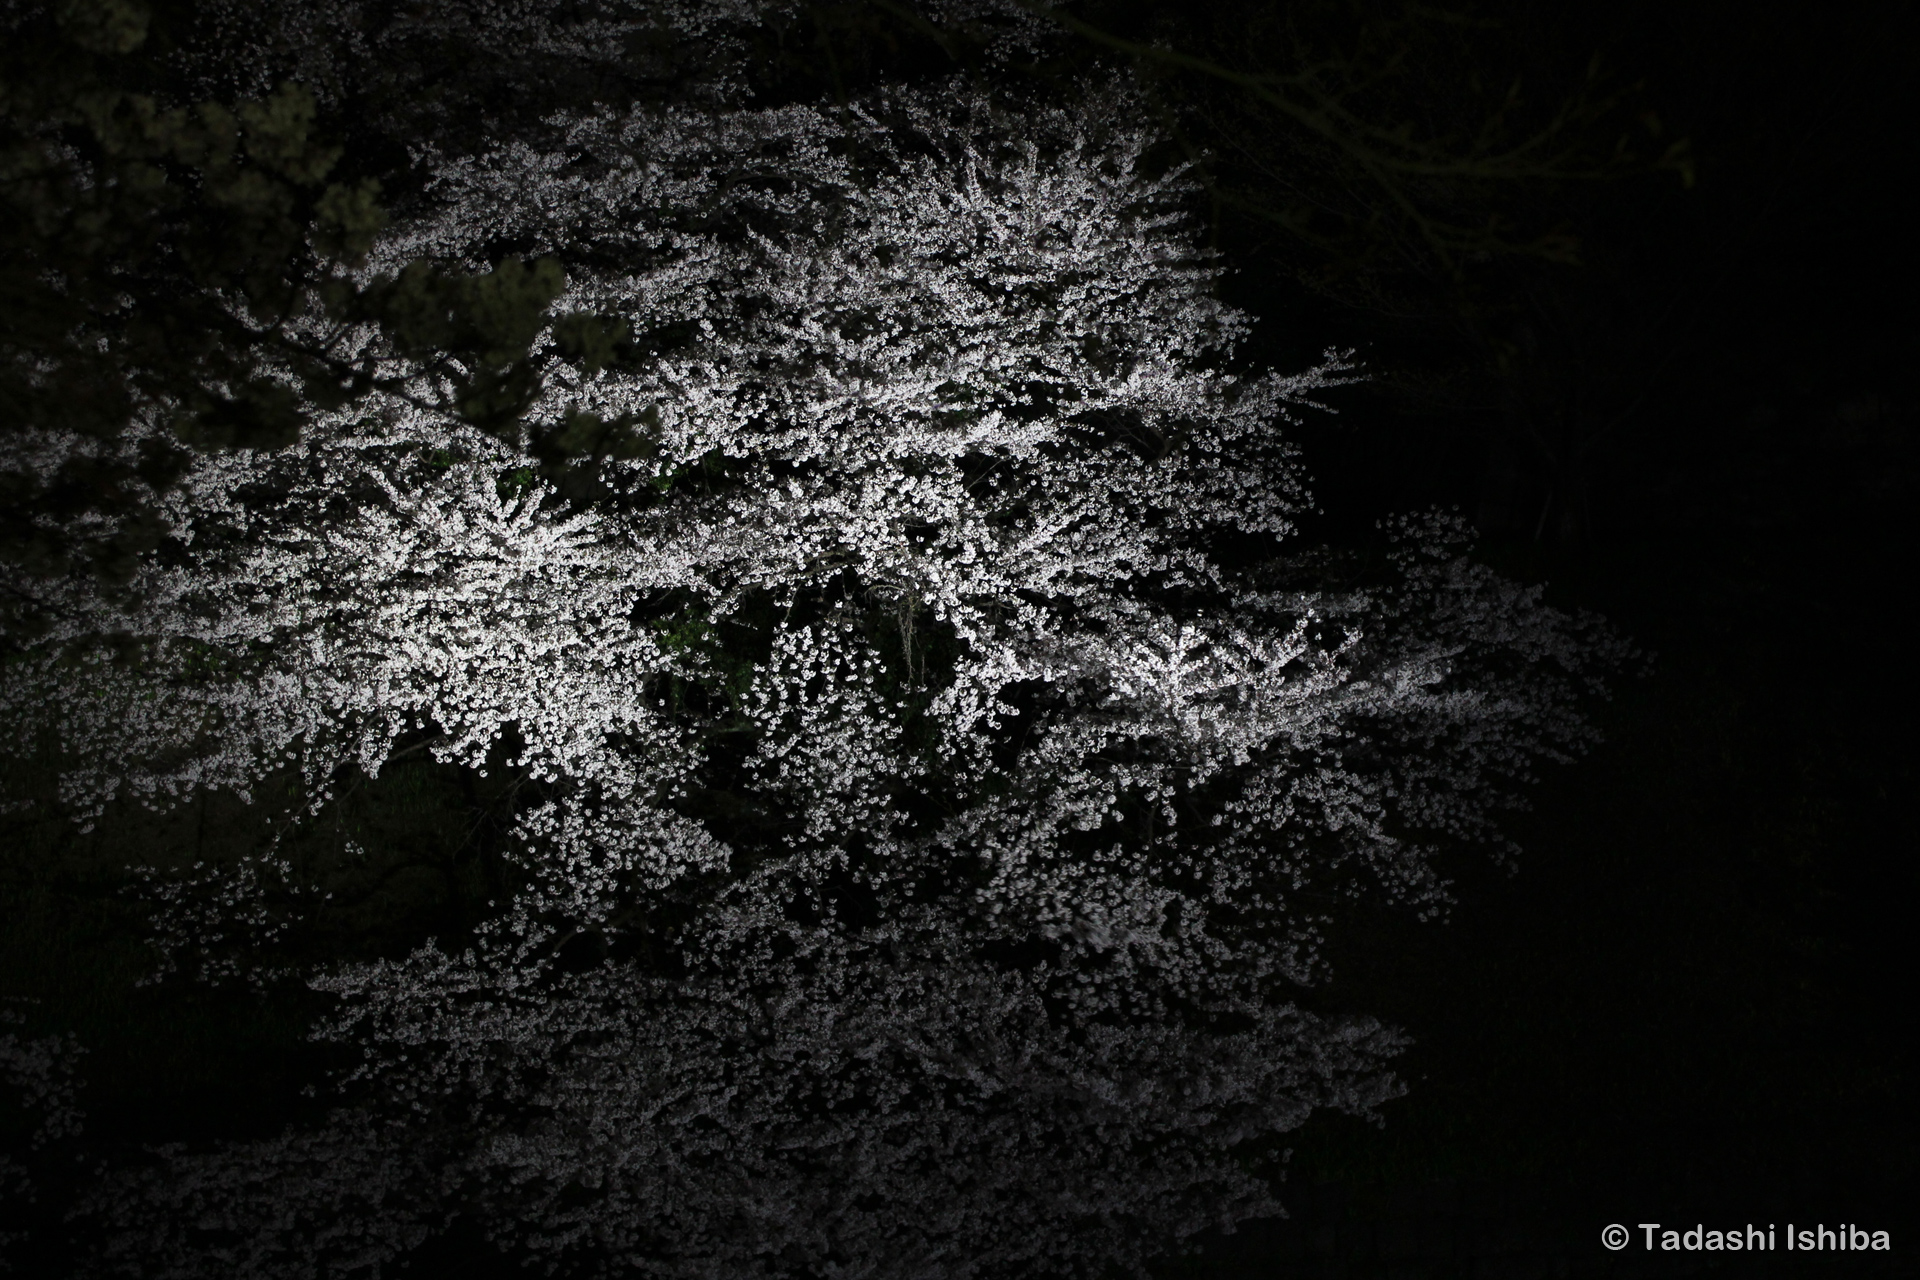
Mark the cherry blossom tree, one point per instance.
(934, 763)
(38, 1084)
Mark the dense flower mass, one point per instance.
(864, 612)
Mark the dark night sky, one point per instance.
(1694, 999)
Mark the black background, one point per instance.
(1693, 1002)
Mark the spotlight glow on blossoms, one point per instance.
(957, 817)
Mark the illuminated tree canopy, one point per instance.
(931, 763)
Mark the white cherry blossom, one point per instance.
(936, 431)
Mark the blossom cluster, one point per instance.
(933, 436)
